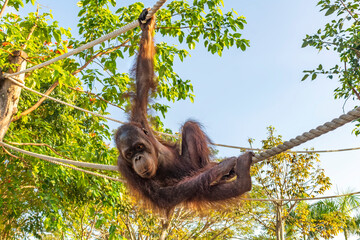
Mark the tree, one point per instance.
(328, 218)
(341, 35)
(46, 201)
(287, 175)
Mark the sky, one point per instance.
(240, 94)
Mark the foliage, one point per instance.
(42, 200)
(341, 35)
(327, 218)
(285, 176)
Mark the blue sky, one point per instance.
(241, 93)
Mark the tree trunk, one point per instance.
(279, 224)
(10, 92)
(166, 223)
(346, 234)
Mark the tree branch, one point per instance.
(262, 223)
(22, 187)
(82, 221)
(290, 209)
(93, 222)
(36, 105)
(32, 29)
(351, 14)
(14, 156)
(99, 54)
(3, 8)
(97, 96)
(165, 226)
(357, 52)
(221, 232)
(350, 85)
(354, 91)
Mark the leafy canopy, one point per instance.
(47, 201)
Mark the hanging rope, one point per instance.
(102, 39)
(306, 136)
(164, 134)
(298, 199)
(329, 126)
(74, 168)
(313, 133)
(61, 160)
(320, 130)
(299, 151)
(62, 102)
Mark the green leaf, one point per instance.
(243, 47)
(313, 76)
(305, 77)
(305, 43)
(331, 10)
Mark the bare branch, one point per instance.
(221, 232)
(99, 54)
(14, 156)
(350, 85)
(97, 96)
(351, 14)
(32, 29)
(290, 209)
(36, 105)
(165, 226)
(262, 223)
(22, 187)
(3, 8)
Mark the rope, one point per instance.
(65, 161)
(167, 134)
(304, 151)
(102, 39)
(320, 130)
(85, 171)
(297, 199)
(62, 162)
(75, 168)
(306, 136)
(313, 133)
(62, 102)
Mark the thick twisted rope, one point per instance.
(320, 130)
(313, 133)
(61, 162)
(102, 39)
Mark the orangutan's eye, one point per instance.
(145, 131)
(140, 147)
(128, 154)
